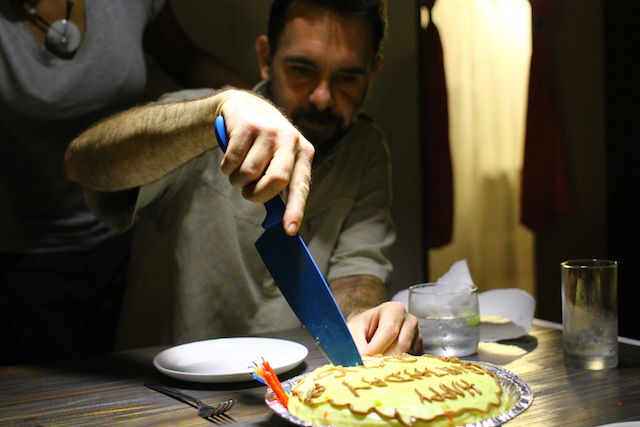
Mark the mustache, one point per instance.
(314, 115)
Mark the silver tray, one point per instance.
(517, 390)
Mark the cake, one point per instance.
(410, 391)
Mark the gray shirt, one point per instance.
(195, 272)
(45, 102)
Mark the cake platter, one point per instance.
(517, 390)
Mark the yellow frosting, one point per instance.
(415, 391)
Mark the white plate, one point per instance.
(226, 360)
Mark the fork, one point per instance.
(204, 410)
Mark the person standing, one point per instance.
(65, 65)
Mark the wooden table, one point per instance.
(108, 389)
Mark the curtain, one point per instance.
(434, 135)
(545, 190)
(487, 52)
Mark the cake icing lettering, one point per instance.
(314, 392)
(375, 381)
(403, 358)
(471, 388)
(450, 393)
(353, 389)
(337, 371)
(451, 370)
(396, 378)
(475, 369)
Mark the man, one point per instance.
(318, 62)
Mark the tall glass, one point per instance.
(590, 313)
(448, 317)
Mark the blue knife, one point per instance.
(300, 281)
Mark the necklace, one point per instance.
(63, 36)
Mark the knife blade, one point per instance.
(304, 287)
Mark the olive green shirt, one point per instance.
(195, 273)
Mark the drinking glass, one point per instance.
(448, 317)
(590, 313)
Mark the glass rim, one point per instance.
(589, 263)
(469, 287)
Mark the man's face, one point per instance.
(321, 72)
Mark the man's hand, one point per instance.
(386, 329)
(266, 154)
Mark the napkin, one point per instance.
(504, 313)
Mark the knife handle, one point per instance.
(221, 133)
(275, 207)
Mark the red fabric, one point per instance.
(545, 190)
(437, 174)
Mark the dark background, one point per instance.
(597, 90)
(622, 71)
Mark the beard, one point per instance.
(322, 138)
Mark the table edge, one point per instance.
(555, 325)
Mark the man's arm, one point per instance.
(141, 145)
(356, 294)
(377, 326)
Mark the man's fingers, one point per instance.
(299, 188)
(272, 162)
(359, 339)
(276, 177)
(248, 156)
(266, 155)
(396, 333)
(289, 167)
(409, 339)
(384, 337)
(240, 139)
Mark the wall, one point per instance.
(595, 53)
(576, 53)
(228, 29)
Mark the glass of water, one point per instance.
(448, 317)
(590, 313)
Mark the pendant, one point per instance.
(63, 37)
